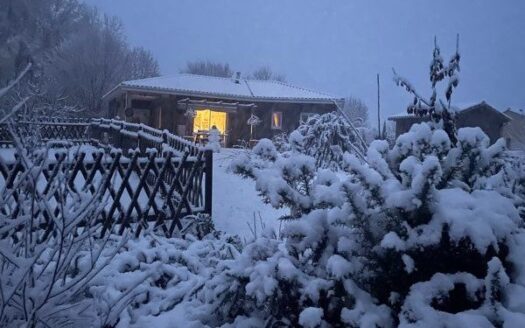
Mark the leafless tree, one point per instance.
(142, 64)
(30, 29)
(89, 64)
(209, 68)
(357, 111)
(96, 59)
(266, 73)
(77, 54)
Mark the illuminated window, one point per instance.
(205, 119)
(305, 117)
(277, 120)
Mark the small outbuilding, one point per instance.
(482, 115)
(241, 109)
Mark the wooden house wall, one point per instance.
(166, 115)
(489, 121)
(404, 124)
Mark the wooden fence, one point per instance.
(48, 129)
(143, 176)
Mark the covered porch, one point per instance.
(190, 118)
(203, 115)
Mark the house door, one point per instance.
(206, 118)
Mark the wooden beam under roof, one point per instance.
(225, 106)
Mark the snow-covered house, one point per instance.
(482, 115)
(191, 104)
(514, 131)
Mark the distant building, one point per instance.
(482, 115)
(192, 104)
(514, 131)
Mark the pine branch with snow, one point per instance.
(438, 110)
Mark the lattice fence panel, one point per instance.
(136, 191)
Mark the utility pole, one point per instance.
(378, 110)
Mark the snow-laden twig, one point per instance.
(360, 150)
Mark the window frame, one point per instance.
(280, 120)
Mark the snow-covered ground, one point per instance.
(236, 202)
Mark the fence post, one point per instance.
(208, 182)
(118, 135)
(164, 141)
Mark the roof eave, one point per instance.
(187, 93)
(398, 118)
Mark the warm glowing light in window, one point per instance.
(205, 119)
(277, 120)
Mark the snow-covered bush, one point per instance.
(215, 282)
(283, 179)
(153, 276)
(434, 209)
(281, 142)
(515, 178)
(326, 138)
(281, 289)
(406, 219)
(285, 167)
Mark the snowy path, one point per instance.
(235, 199)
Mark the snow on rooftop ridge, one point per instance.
(222, 86)
(518, 111)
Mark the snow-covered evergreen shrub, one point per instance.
(283, 179)
(281, 143)
(281, 289)
(213, 282)
(421, 217)
(326, 138)
(515, 177)
(287, 165)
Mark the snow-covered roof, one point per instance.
(483, 104)
(400, 115)
(226, 88)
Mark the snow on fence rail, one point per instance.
(146, 176)
(142, 135)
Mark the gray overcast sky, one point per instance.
(338, 46)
